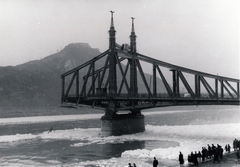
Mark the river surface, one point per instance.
(75, 141)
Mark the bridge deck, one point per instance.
(127, 103)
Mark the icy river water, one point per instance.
(75, 141)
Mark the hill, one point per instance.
(38, 83)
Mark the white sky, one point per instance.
(197, 34)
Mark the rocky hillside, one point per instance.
(38, 83)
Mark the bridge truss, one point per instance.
(112, 80)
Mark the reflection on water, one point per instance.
(108, 150)
(62, 151)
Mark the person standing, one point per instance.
(220, 152)
(199, 155)
(229, 148)
(129, 165)
(215, 156)
(195, 158)
(203, 154)
(181, 160)
(209, 151)
(155, 162)
(238, 155)
(226, 148)
(234, 144)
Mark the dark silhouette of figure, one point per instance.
(181, 160)
(238, 155)
(122, 47)
(129, 165)
(209, 151)
(195, 158)
(199, 155)
(235, 144)
(226, 148)
(50, 130)
(215, 156)
(220, 152)
(134, 165)
(204, 154)
(189, 158)
(213, 147)
(229, 148)
(155, 162)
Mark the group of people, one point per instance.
(130, 165)
(215, 152)
(155, 163)
(228, 148)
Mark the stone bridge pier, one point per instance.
(113, 124)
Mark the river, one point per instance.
(75, 141)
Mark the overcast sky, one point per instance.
(197, 34)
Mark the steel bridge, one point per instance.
(116, 80)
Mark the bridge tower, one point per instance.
(113, 123)
(112, 76)
(112, 59)
(132, 63)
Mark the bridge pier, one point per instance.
(119, 124)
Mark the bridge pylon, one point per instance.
(113, 123)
